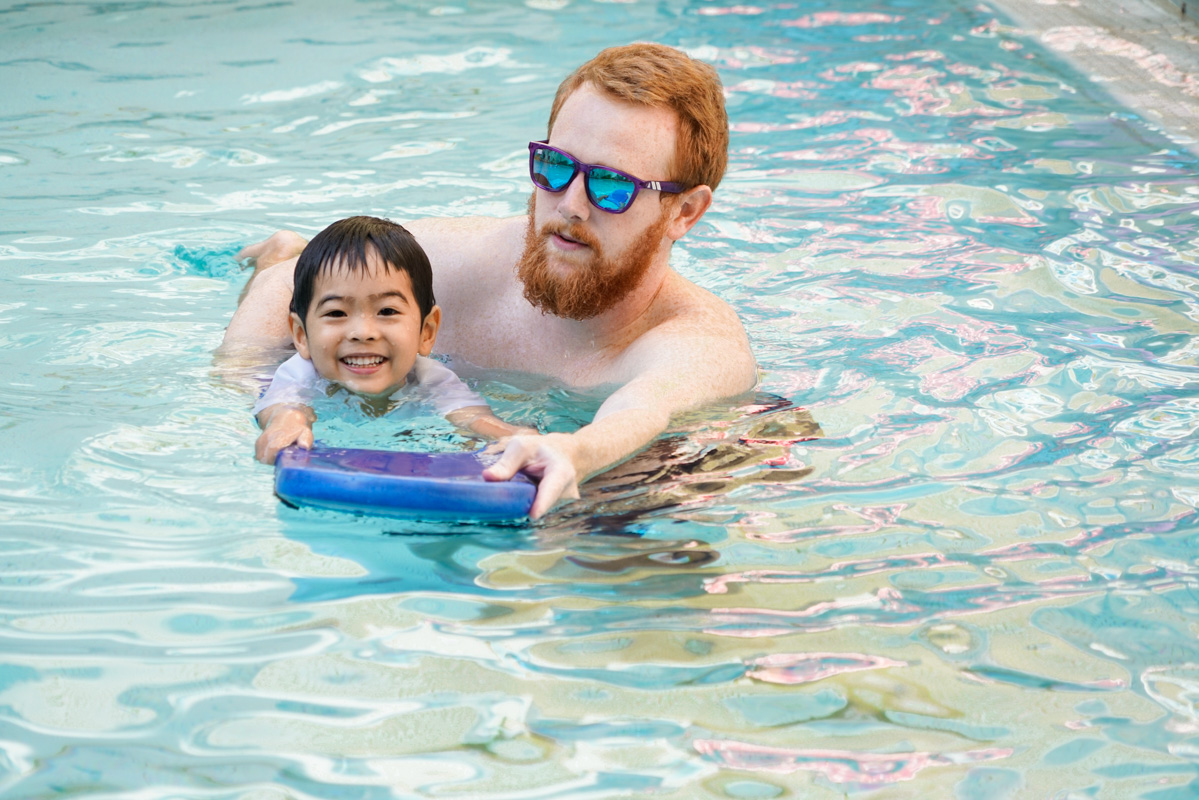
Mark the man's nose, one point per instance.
(572, 201)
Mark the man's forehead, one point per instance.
(599, 128)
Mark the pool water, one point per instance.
(948, 550)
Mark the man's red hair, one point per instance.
(658, 76)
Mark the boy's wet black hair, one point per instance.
(344, 244)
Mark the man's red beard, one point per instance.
(587, 290)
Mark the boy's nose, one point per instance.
(363, 328)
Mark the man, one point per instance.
(581, 289)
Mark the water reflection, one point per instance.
(948, 550)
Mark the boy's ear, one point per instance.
(299, 337)
(428, 331)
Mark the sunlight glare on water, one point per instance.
(947, 550)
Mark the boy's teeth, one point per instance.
(363, 361)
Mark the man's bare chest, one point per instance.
(524, 340)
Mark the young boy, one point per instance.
(363, 318)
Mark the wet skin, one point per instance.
(667, 344)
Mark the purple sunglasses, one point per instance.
(608, 189)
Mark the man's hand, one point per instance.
(261, 317)
(548, 458)
(281, 246)
(283, 426)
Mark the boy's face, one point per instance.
(364, 328)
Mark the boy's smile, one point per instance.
(364, 328)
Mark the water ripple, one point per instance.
(947, 549)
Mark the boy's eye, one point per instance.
(334, 312)
(388, 311)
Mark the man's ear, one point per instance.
(689, 207)
(299, 336)
(428, 331)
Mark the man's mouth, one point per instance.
(562, 237)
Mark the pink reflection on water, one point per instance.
(805, 534)
(835, 117)
(841, 569)
(793, 90)
(801, 380)
(1160, 68)
(948, 386)
(874, 38)
(929, 207)
(839, 766)
(957, 202)
(1018, 457)
(738, 10)
(825, 18)
(742, 57)
(796, 668)
(987, 30)
(920, 85)
(1023, 220)
(852, 382)
(885, 599)
(925, 158)
(887, 608)
(917, 55)
(878, 149)
(914, 352)
(999, 339)
(887, 446)
(981, 597)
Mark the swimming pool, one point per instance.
(975, 274)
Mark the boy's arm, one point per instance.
(480, 420)
(283, 425)
(284, 411)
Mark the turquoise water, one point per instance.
(975, 273)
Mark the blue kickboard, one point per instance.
(399, 484)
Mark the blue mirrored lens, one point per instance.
(552, 170)
(609, 190)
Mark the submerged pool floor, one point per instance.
(948, 550)
(1145, 53)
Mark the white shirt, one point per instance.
(430, 382)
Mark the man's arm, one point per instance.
(674, 372)
(260, 320)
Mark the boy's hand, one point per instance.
(284, 426)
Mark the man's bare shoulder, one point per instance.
(695, 331)
(454, 242)
(473, 278)
(685, 305)
(440, 226)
